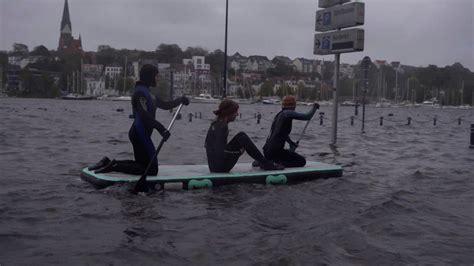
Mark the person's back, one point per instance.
(280, 130)
(218, 157)
(274, 148)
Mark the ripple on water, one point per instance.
(404, 197)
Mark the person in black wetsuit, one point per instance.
(222, 156)
(274, 148)
(144, 105)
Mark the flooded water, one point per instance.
(406, 196)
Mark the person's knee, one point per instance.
(301, 162)
(242, 134)
(153, 169)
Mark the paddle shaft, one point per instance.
(302, 132)
(143, 177)
(304, 129)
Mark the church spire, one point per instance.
(66, 26)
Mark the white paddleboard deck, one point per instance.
(197, 176)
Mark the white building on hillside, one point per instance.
(113, 71)
(304, 65)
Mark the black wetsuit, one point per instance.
(222, 156)
(144, 106)
(274, 148)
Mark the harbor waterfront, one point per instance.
(406, 196)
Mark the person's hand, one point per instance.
(184, 100)
(165, 135)
(316, 105)
(293, 146)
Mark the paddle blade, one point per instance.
(141, 186)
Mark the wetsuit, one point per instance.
(274, 148)
(144, 106)
(222, 156)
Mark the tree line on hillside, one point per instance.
(452, 85)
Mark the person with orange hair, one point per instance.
(222, 155)
(274, 148)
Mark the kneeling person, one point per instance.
(274, 148)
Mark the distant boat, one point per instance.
(349, 103)
(243, 101)
(430, 104)
(72, 96)
(467, 106)
(271, 101)
(321, 103)
(267, 101)
(122, 98)
(205, 98)
(114, 98)
(383, 103)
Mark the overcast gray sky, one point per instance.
(415, 32)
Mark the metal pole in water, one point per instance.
(335, 100)
(472, 137)
(224, 91)
(366, 62)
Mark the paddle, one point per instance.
(141, 185)
(302, 133)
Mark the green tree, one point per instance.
(195, 51)
(169, 53)
(3, 67)
(40, 51)
(240, 93)
(281, 70)
(284, 89)
(267, 88)
(129, 85)
(216, 60)
(20, 49)
(27, 81)
(162, 90)
(416, 90)
(106, 55)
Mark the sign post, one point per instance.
(365, 62)
(334, 16)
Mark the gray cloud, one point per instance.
(415, 32)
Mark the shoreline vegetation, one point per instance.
(43, 73)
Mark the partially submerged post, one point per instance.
(366, 63)
(472, 137)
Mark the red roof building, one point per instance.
(67, 43)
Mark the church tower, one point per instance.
(67, 43)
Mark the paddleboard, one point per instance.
(198, 176)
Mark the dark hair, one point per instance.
(226, 108)
(147, 75)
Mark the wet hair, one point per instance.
(288, 102)
(147, 75)
(226, 108)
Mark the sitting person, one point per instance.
(144, 105)
(274, 148)
(223, 155)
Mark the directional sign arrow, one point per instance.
(320, 19)
(318, 43)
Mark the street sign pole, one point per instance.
(336, 15)
(335, 100)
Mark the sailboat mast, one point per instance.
(125, 75)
